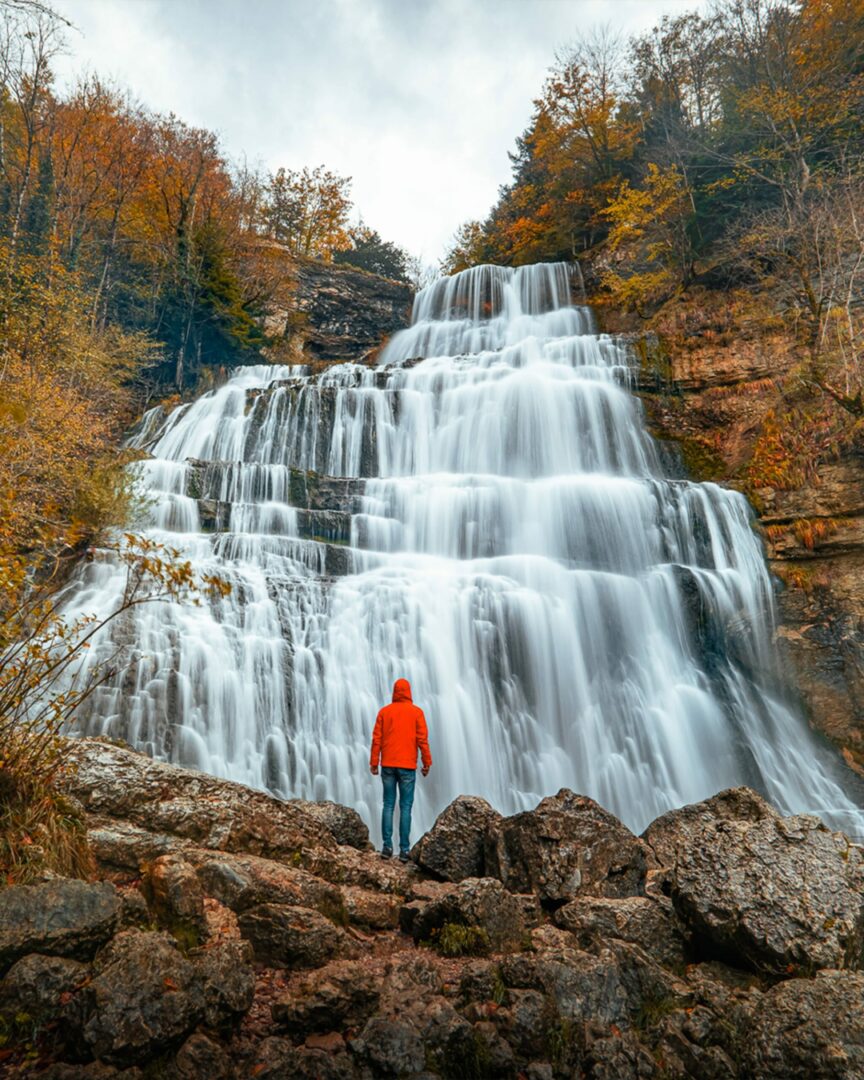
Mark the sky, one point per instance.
(418, 101)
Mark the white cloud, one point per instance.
(418, 100)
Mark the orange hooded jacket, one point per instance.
(400, 731)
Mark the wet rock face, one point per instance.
(777, 894)
(57, 918)
(454, 848)
(568, 846)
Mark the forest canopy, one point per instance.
(722, 147)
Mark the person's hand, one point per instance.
(373, 769)
(425, 770)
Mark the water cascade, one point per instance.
(484, 514)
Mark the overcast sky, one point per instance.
(417, 100)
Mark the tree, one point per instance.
(307, 211)
(369, 252)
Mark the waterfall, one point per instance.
(484, 514)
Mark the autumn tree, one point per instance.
(307, 211)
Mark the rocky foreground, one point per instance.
(234, 936)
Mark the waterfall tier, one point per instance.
(484, 514)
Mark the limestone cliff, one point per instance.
(337, 313)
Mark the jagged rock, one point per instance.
(344, 824)
(454, 848)
(567, 846)
(244, 881)
(620, 1057)
(776, 894)
(652, 925)
(200, 1057)
(62, 917)
(284, 935)
(672, 832)
(143, 998)
(373, 910)
(227, 980)
(807, 1029)
(481, 903)
(116, 782)
(176, 897)
(390, 1046)
(343, 994)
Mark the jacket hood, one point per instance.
(401, 690)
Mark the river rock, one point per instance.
(481, 903)
(342, 994)
(62, 917)
(284, 935)
(454, 848)
(652, 925)
(144, 997)
(807, 1029)
(567, 846)
(118, 782)
(776, 894)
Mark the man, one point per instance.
(400, 731)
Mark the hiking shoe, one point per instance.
(404, 856)
(386, 853)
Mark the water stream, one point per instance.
(499, 530)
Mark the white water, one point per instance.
(516, 553)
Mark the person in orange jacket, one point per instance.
(400, 731)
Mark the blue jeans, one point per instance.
(390, 780)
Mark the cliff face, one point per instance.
(712, 382)
(337, 313)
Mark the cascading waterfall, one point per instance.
(485, 515)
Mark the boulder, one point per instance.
(482, 904)
(227, 980)
(243, 881)
(144, 998)
(176, 898)
(371, 910)
(200, 1057)
(454, 848)
(567, 846)
(43, 988)
(342, 994)
(61, 917)
(344, 824)
(119, 846)
(118, 782)
(807, 1029)
(779, 895)
(652, 925)
(390, 1047)
(284, 935)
